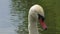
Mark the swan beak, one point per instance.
(42, 23)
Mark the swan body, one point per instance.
(33, 18)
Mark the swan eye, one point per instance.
(41, 17)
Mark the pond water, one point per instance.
(5, 23)
(14, 13)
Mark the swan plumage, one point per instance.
(33, 18)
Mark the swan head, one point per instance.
(37, 12)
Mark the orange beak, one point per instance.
(43, 24)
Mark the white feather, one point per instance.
(32, 18)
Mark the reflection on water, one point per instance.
(19, 15)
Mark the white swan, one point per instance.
(36, 13)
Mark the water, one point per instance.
(14, 13)
(5, 23)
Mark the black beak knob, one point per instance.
(45, 29)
